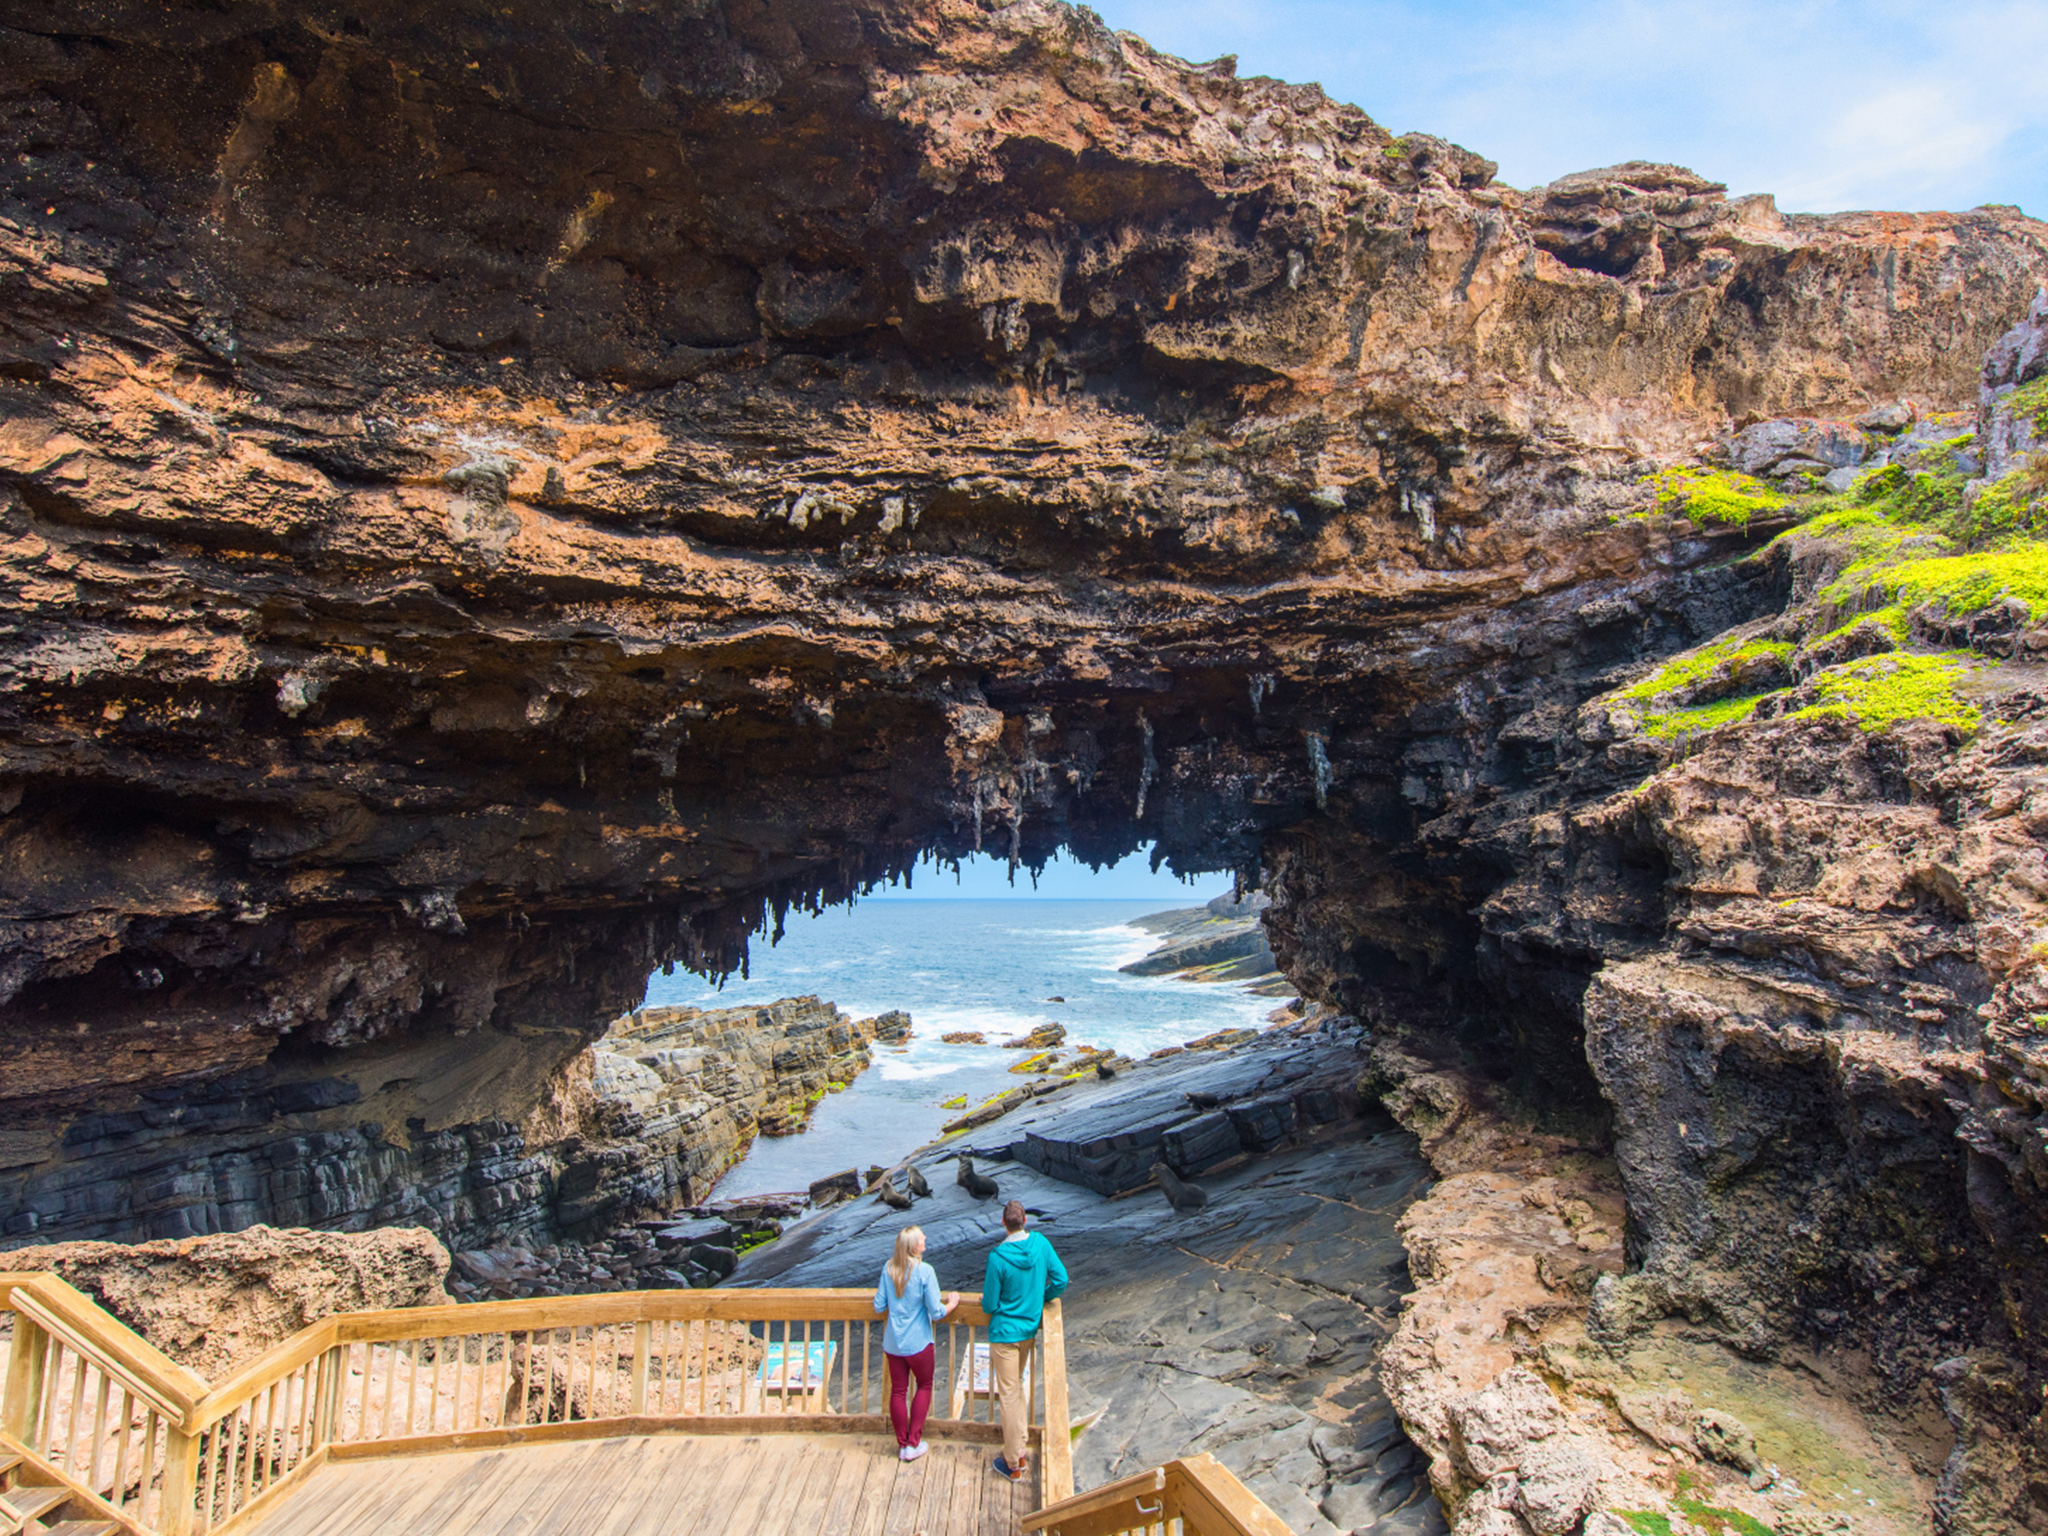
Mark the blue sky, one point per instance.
(1829, 106)
(987, 878)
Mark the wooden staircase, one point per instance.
(34, 1503)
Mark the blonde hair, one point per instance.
(909, 1244)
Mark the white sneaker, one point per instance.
(912, 1452)
(903, 1453)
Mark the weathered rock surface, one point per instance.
(683, 1092)
(211, 1303)
(1223, 940)
(471, 539)
(642, 1122)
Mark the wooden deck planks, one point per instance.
(712, 1485)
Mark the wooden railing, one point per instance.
(1195, 1496)
(176, 1456)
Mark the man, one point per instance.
(1023, 1275)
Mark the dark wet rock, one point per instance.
(1108, 1139)
(696, 1229)
(719, 1261)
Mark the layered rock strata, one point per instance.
(1222, 940)
(477, 533)
(421, 1131)
(680, 1093)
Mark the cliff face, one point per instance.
(499, 499)
(680, 1093)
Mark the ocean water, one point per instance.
(992, 966)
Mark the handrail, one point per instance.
(43, 1475)
(179, 1456)
(1193, 1496)
(60, 1309)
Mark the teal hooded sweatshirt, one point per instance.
(1021, 1278)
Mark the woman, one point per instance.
(909, 1292)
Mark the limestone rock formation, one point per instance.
(212, 1303)
(677, 1095)
(1222, 940)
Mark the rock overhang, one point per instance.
(459, 571)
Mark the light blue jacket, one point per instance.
(912, 1314)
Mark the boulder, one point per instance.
(843, 1185)
(1796, 445)
(212, 1303)
(1044, 1037)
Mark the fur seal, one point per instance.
(919, 1189)
(891, 1196)
(975, 1184)
(1104, 1071)
(1180, 1194)
(1200, 1100)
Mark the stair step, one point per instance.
(8, 1462)
(85, 1528)
(34, 1503)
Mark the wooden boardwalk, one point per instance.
(656, 1485)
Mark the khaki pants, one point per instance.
(1007, 1361)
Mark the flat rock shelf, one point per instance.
(1250, 1329)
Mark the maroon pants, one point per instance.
(909, 1421)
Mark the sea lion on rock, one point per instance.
(1104, 1071)
(1180, 1194)
(919, 1188)
(975, 1184)
(1200, 1100)
(891, 1196)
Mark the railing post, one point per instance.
(178, 1512)
(21, 1402)
(643, 1341)
(1056, 1447)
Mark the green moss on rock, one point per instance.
(1723, 496)
(1878, 691)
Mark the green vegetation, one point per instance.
(1903, 541)
(2030, 403)
(753, 1239)
(1647, 1521)
(1882, 690)
(1692, 669)
(1714, 1521)
(1698, 681)
(958, 1101)
(1695, 719)
(1716, 495)
(2015, 506)
(1890, 586)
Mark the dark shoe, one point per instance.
(1015, 1474)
